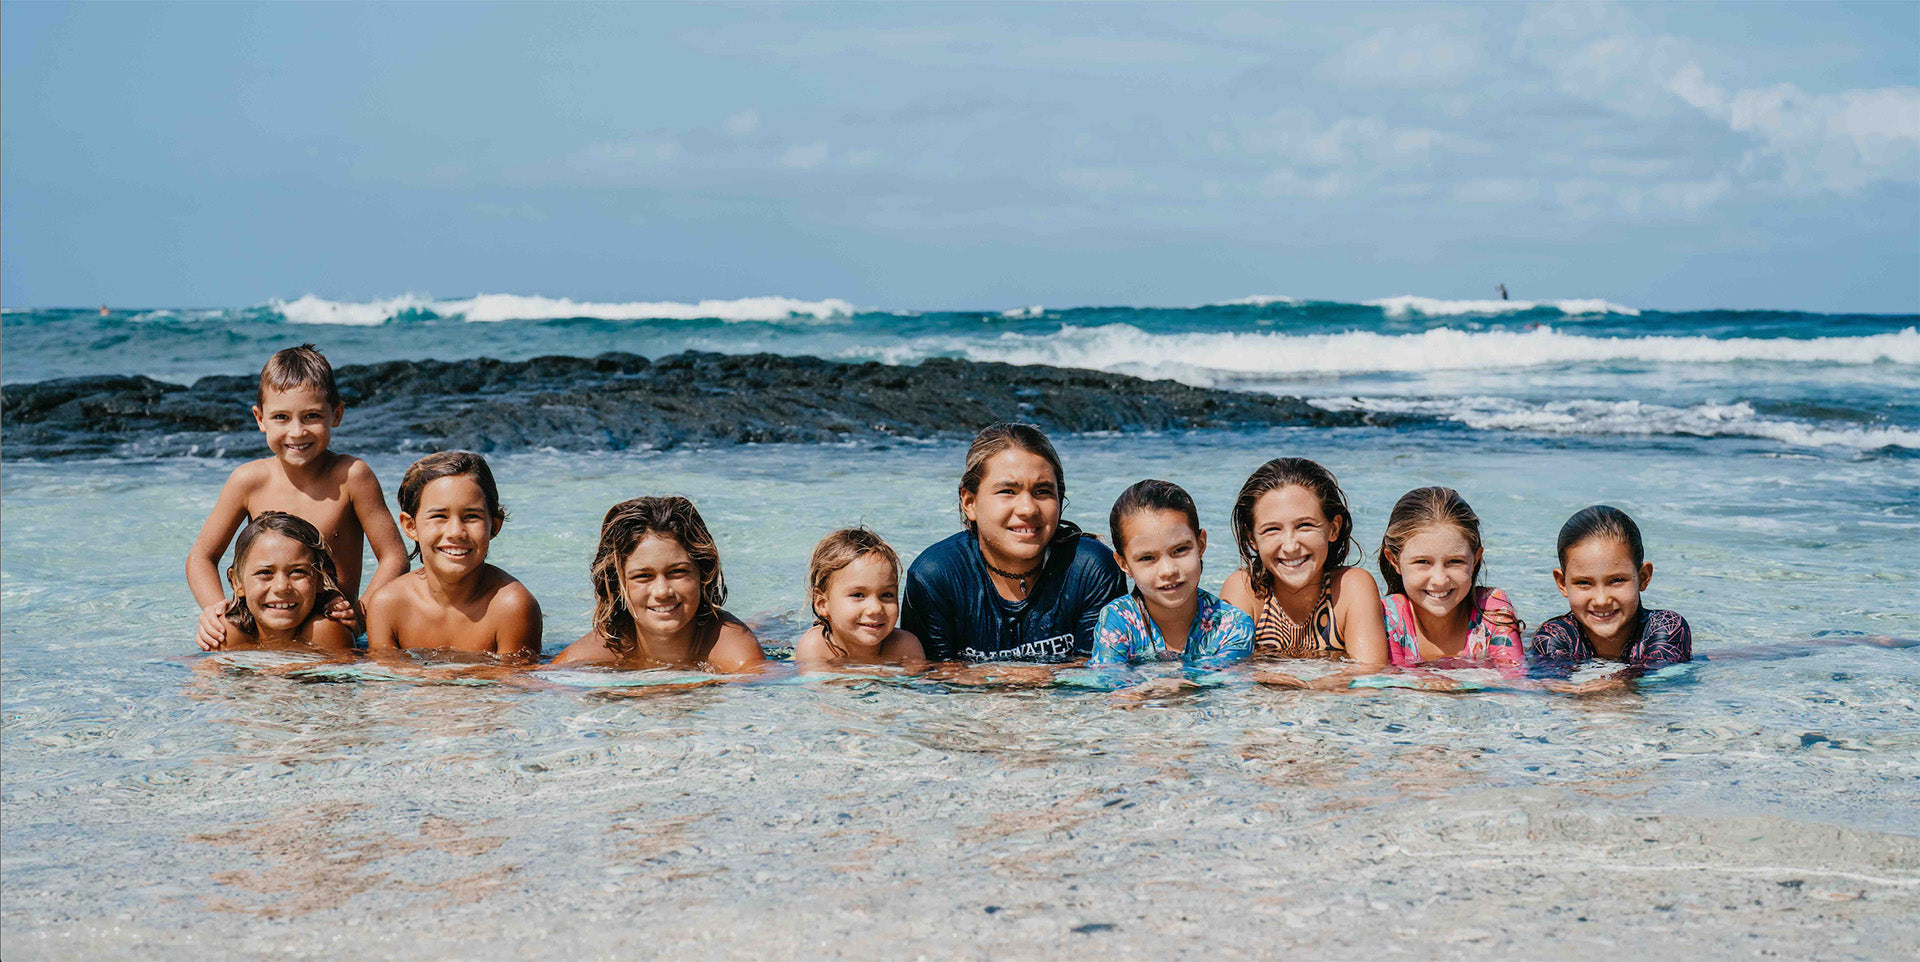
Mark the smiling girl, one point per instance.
(853, 587)
(283, 579)
(657, 592)
(450, 509)
(1157, 538)
(1603, 569)
(1018, 584)
(1295, 533)
(1436, 610)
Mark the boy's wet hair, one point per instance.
(1600, 521)
(625, 526)
(834, 552)
(1276, 474)
(449, 464)
(1150, 495)
(995, 438)
(296, 367)
(1422, 508)
(308, 537)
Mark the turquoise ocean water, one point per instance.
(158, 801)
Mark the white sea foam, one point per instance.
(1191, 356)
(1631, 418)
(1409, 304)
(318, 310)
(1024, 312)
(506, 307)
(1256, 300)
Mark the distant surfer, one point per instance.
(103, 310)
(1503, 292)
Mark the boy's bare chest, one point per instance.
(328, 510)
(465, 628)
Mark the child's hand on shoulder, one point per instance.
(213, 626)
(347, 614)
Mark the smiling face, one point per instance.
(1603, 587)
(1436, 566)
(1162, 555)
(279, 582)
(661, 585)
(452, 526)
(297, 421)
(1292, 537)
(862, 601)
(1016, 508)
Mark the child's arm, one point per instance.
(1112, 639)
(382, 608)
(203, 559)
(383, 536)
(1364, 626)
(518, 614)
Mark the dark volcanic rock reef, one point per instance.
(620, 401)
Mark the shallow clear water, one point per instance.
(162, 802)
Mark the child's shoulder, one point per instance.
(508, 591)
(324, 632)
(1493, 599)
(1354, 579)
(902, 643)
(251, 474)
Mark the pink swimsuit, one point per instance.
(1490, 641)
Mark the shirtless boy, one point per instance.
(298, 409)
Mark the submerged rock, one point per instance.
(619, 401)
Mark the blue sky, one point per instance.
(968, 156)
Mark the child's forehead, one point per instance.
(1289, 499)
(301, 395)
(273, 545)
(657, 548)
(868, 568)
(452, 487)
(1600, 553)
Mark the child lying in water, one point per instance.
(283, 580)
(1603, 569)
(657, 591)
(451, 510)
(1158, 541)
(853, 587)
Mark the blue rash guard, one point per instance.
(951, 604)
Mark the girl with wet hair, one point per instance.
(1295, 535)
(1018, 583)
(657, 592)
(1603, 569)
(283, 579)
(1436, 609)
(1158, 541)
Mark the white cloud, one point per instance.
(1412, 55)
(1366, 142)
(743, 123)
(803, 156)
(1802, 141)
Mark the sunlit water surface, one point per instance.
(158, 802)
